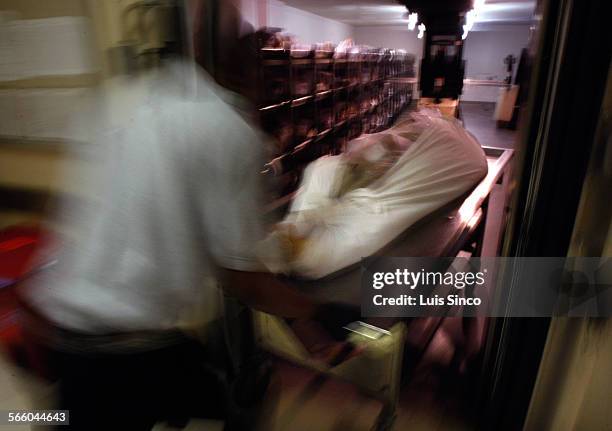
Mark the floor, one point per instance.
(478, 119)
(19, 391)
(293, 404)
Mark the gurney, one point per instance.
(458, 225)
(351, 205)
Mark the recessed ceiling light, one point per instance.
(421, 31)
(413, 18)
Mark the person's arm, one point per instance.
(264, 292)
(231, 194)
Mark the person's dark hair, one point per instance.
(173, 18)
(225, 46)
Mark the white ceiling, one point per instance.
(390, 12)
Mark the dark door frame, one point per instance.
(567, 85)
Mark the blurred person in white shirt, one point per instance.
(179, 214)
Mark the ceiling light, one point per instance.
(413, 18)
(470, 17)
(421, 31)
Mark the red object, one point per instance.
(18, 246)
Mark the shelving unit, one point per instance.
(313, 105)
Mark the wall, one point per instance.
(248, 10)
(306, 26)
(397, 37)
(484, 52)
(41, 94)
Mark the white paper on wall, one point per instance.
(46, 47)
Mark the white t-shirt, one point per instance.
(180, 190)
